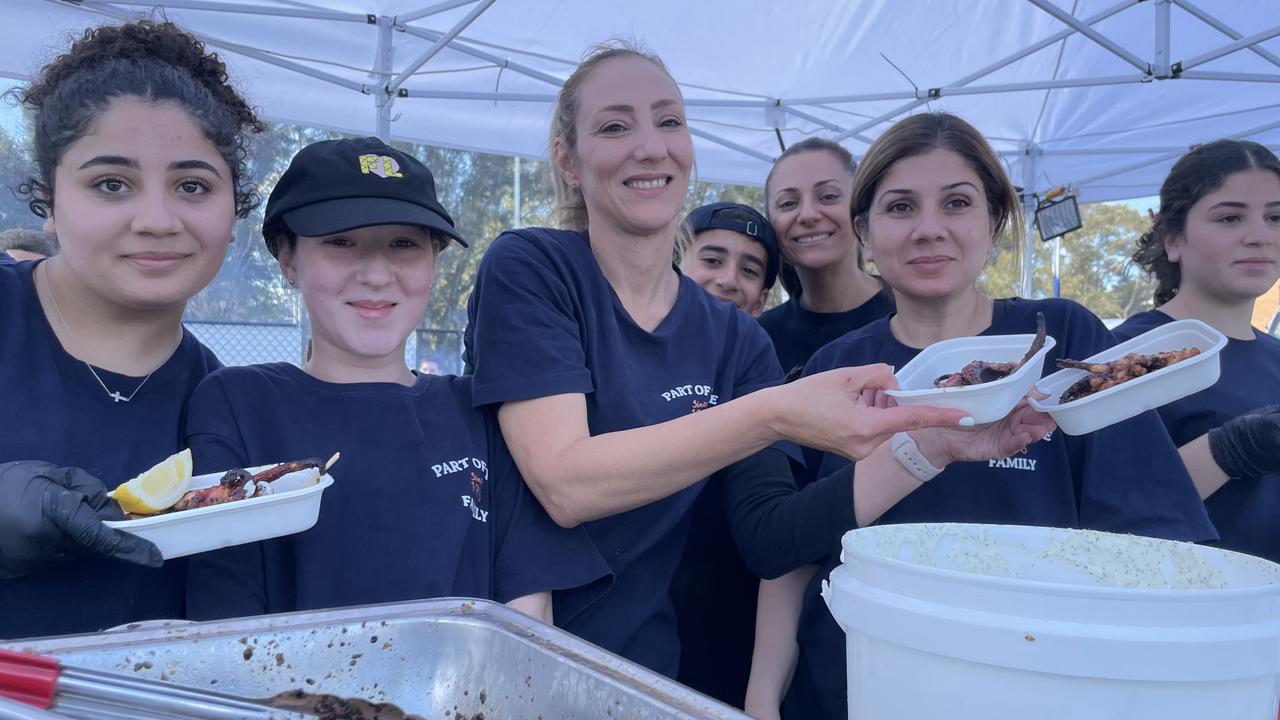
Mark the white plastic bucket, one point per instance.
(1003, 622)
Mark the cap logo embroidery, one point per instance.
(384, 166)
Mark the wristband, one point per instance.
(909, 455)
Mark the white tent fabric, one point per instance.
(1100, 95)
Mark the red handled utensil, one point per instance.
(45, 683)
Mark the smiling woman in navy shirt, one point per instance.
(623, 384)
(140, 149)
(1214, 248)
(929, 201)
(807, 200)
(426, 501)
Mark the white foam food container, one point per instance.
(1150, 391)
(293, 506)
(987, 402)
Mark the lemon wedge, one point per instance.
(157, 489)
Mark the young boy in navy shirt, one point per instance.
(732, 254)
(426, 500)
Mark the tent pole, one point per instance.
(1225, 29)
(1229, 76)
(516, 200)
(110, 10)
(490, 57)
(384, 97)
(729, 144)
(1255, 39)
(1160, 68)
(228, 7)
(468, 95)
(439, 45)
(1167, 156)
(1084, 29)
(1029, 216)
(1057, 258)
(983, 72)
(1037, 85)
(819, 121)
(405, 18)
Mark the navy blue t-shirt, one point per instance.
(55, 411)
(545, 321)
(798, 333)
(1125, 478)
(6, 258)
(426, 501)
(1245, 510)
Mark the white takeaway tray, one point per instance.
(987, 402)
(1132, 398)
(294, 506)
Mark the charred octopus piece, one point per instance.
(239, 484)
(333, 707)
(278, 471)
(1103, 375)
(977, 372)
(231, 486)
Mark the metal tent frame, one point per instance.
(391, 82)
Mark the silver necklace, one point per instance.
(113, 394)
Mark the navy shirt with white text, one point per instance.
(545, 321)
(1124, 478)
(426, 502)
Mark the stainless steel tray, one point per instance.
(447, 658)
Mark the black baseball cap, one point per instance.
(713, 217)
(333, 186)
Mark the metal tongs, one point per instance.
(45, 683)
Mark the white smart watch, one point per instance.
(909, 455)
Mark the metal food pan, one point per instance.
(448, 658)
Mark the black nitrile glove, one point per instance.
(1248, 446)
(51, 514)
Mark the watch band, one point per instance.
(909, 455)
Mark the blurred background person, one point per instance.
(28, 244)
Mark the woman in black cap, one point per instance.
(140, 172)
(427, 502)
(623, 385)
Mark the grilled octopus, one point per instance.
(239, 484)
(977, 372)
(1109, 374)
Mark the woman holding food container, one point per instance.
(1214, 249)
(621, 385)
(929, 202)
(140, 148)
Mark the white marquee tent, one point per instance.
(1099, 95)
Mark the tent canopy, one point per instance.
(1098, 95)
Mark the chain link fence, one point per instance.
(429, 350)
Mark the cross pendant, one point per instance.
(117, 397)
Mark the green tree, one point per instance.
(1095, 268)
(249, 287)
(15, 169)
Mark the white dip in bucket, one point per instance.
(1002, 622)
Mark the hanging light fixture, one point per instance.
(1058, 214)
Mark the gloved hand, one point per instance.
(1248, 446)
(50, 514)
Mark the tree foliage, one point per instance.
(1094, 267)
(478, 190)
